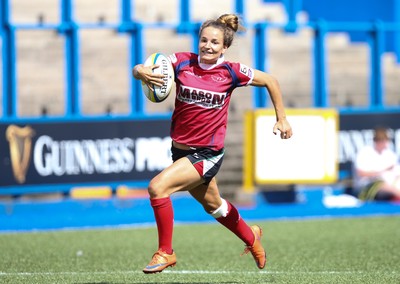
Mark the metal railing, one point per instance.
(69, 29)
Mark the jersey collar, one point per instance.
(210, 66)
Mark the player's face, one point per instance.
(211, 45)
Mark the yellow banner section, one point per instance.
(97, 192)
(309, 157)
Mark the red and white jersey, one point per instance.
(203, 93)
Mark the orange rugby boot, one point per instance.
(257, 249)
(160, 261)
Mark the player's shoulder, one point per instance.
(240, 68)
(182, 56)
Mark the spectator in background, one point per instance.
(377, 170)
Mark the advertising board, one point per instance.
(310, 156)
(38, 153)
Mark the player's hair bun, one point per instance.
(230, 20)
(228, 23)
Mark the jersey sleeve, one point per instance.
(173, 58)
(178, 57)
(244, 73)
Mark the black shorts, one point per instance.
(207, 162)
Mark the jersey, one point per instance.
(203, 94)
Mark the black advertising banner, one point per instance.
(356, 130)
(79, 152)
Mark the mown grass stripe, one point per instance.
(196, 272)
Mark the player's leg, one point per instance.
(181, 175)
(222, 210)
(227, 214)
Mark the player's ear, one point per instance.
(224, 49)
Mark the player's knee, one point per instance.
(156, 189)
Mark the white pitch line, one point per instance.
(273, 272)
(197, 272)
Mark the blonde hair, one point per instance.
(228, 23)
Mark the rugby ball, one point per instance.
(165, 68)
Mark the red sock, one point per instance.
(234, 222)
(164, 214)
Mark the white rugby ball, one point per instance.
(165, 68)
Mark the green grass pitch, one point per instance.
(344, 250)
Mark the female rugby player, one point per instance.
(204, 84)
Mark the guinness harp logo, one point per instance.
(20, 140)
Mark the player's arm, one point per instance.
(262, 79)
